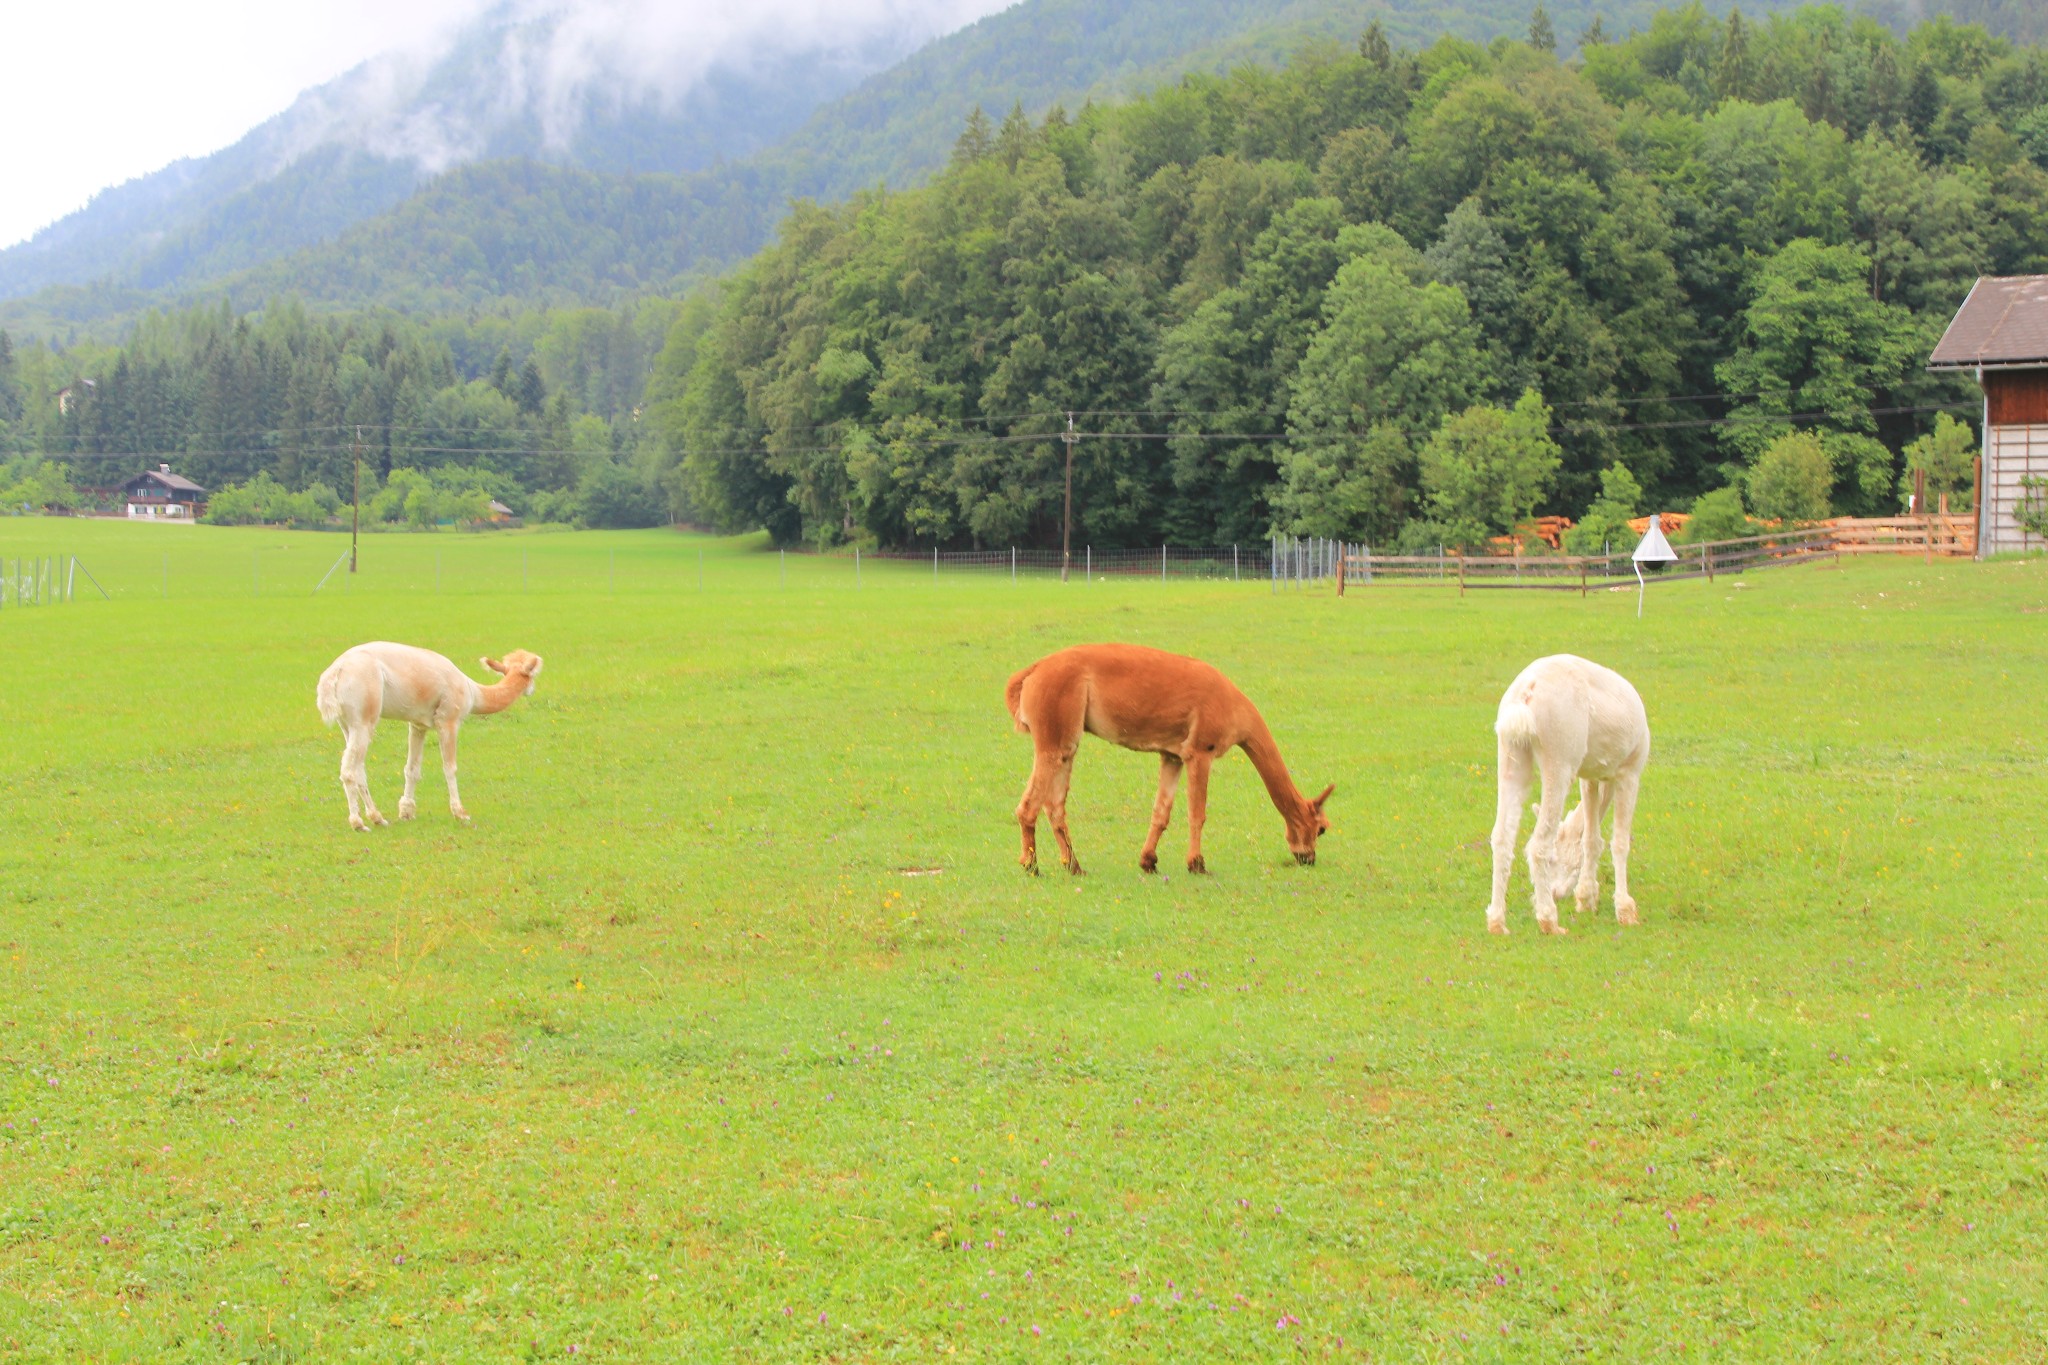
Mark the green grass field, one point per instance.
(730, 1030)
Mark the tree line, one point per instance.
(1395, 296)
(274, 412)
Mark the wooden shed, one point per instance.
(2000, 335)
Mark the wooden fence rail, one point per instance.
(1585, 573)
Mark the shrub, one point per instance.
(1606, 521)
(1792, 478)
(1717, 516)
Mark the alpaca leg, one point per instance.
(448, 770)
(415, 755)
(1198, 809)
(1515, 772)
(1557, 783)
(1162, 811)
(1624, 827)
(352, 744)
(1036, 790)
(1593, 801)
(370, 811)
(1056, 810)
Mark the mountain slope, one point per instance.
(589, 236)
(360, 144)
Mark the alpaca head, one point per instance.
(1310, 825)
(518, 664)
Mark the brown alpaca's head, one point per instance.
(518, 664)
(1309, 826)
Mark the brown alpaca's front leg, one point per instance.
(1198, 809)
(1162, 811)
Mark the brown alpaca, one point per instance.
(1156, 703)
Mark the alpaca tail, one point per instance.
(1516, 725)
(328, 695)
(1013, 697)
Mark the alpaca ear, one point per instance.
(493, 665)
(1318, 802)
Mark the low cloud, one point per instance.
(444, 101)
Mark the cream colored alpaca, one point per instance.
(417, 686)
(1566, 718)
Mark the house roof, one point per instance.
(2004, 321)
(177, 483)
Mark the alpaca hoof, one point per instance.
(1551, 926)
(1148, 863)
(355, 823)
(377, 818)
(1030, 866)
(1305, 859)
(1198, 867)
(1583, 905)
(1497, 926)
(1625, 912)
(461, 815)
(1073, 866)
(407, 810)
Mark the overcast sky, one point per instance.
(92, 97)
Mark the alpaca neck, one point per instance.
(1265, 756)
(501, 693)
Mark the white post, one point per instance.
(1089, 566)
(1162, 564)
(70, 576)
(935, 563)
(1236, 573)
(1013, 564)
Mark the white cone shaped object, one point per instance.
(1653, 549)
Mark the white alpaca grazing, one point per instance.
(417, 686)
(1566, 718)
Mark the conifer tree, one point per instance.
(1595, 34)
(1731, 70)
(1542, 36)
(1374, 47)
(976, 140)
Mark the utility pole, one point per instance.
(355, 525)
(1067, 516)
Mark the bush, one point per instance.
(263, 501)
(30, 486)
(1717, 516)
(1792, 479)
(1947, 454)
(1606, 521)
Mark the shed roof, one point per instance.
(2004, 321)
(176, 482)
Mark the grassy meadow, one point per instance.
(731, 1030)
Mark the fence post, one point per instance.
(1707, 558)
(1162, 564)
(1272, 565)
(1013, 564)
(1582, 577)
(856, 567)
(1461, 573)
(1091, 559)
(935, 562)
(1235, 575)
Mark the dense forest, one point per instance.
(1397, 295)
(540, 410)
(345, 225)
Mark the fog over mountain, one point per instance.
(609, 85)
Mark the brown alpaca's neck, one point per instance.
(1265, 756)
(501, 693)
